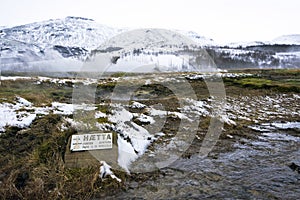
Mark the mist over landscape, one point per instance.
(65, 44)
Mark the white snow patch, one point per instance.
(296, 96)
(14, 78)
(196, 107)
(126, 154)
(160, 134)
(137, 105)
(23, 101)
(10, 116)
(105, 170)
(104, 126)
(225, 119)
(133, 139)
(146, 119)
(155, 112)
(62, 108)
(120, 115)
(99, 114)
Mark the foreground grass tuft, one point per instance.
(32, 165)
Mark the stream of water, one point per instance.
(256, 168)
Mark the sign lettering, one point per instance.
(85, 142)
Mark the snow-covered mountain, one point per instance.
(287, 39)
(293, 39)
(77, 38)
(73, 32)
(52, 40)
(201, 40)
(56, 39)
(147, 39)
(70, 31)
(245, 44)
(149, 50)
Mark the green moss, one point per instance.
(282, 85)
(118, 74)
(102, 120)
(104, 108)
(107, 85)
(38, 94)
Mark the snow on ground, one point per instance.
(145, 119)
(126, 154)
(133, 139)
(11, 116)
(219, 75)
(87, 81)
(197, 107)
(137, 105)
(262, 108)
(23, 101)
(16, 114)
(21, 112)
(99, 114)
(13, 78)
(41, 79)
(105, 170)
(62, 108)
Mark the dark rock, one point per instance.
(295, 167)
(2, 175)
(21, 180)
(114, 59)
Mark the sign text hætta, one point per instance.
(91, 141)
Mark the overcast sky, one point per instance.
(221, 20)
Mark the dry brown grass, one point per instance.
(32, 165)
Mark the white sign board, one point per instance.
(91, 141)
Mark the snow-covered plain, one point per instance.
(134, 137)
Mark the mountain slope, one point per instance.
(76, 38)
(71, 31)
(149, 50)
(201, 40)
(287, 39)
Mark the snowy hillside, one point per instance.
(148, 50)
(74, 39)
(281, 40)
(21, 56)
(201, 40)
(287, 39)
(71, 31)
(147, 38)
(245, 44)
(58, 41)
